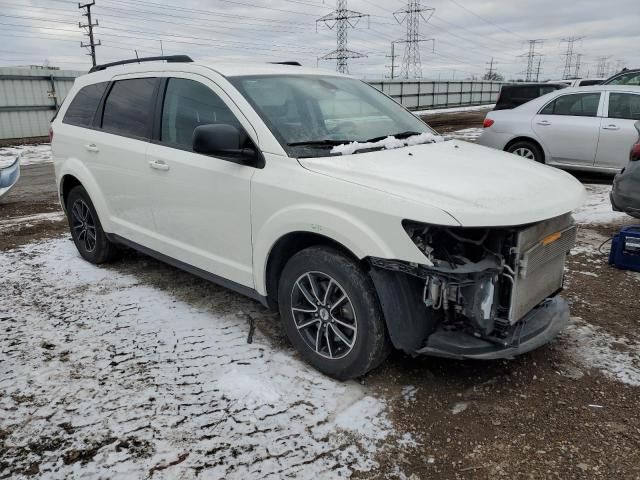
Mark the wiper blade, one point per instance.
(399, 136)
(319, 143)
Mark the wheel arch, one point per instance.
(285, 248)
(67, 183)
(524, 138)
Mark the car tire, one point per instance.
(341, 337)
(86, 229)
(527, 150)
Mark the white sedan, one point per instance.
(586, 128)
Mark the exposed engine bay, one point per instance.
(483, 281)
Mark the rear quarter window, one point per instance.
(128, 109)
(84, 105)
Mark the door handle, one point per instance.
(92, 148)
(543, 122)
(159, 165)
(611, 127)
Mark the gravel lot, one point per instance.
(138, 370)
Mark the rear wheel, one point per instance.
(86, 229)
(527, 150)
(331, 313)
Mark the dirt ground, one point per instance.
(554, 413)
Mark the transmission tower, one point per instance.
(531, 57)
(578, 64)
(89, 29)
(568, 62)
(603, 66)
(394, 66)
(342, 19)
(539, 68)
(411, 63)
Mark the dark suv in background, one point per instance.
(514, 95)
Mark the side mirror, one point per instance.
(224, 140)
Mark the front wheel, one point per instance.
(527, 150)
(331, 313)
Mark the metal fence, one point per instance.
(418, 95)
(29, 97)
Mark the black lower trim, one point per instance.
(223, 282)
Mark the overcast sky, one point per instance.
(467, 33)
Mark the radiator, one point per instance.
(542, 252)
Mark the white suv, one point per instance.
(315, 194)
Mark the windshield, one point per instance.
(310, 114)
(631, 78)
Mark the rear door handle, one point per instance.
(92, 147)
(611, 127)
(544, 122)
(158, 165)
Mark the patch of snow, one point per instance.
(617, 357)
(454, 110)
(409, 393)
(123, 379)
(389, 143)
(30, 154)
(407, 440)
(589, 274)
(466, 134)
(29, 220)
(459, 407)
(597, 208)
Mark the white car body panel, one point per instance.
(570, 142)
(225, 218)
(488, 188)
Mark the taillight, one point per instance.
(635, 152)
(487, 122)
(50, 134)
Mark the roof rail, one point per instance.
(293, 64)
(168, 58)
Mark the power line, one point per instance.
(89, 28)
(342, 19)
(411, 15)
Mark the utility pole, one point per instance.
(89, 29)
(531, 56)
(491, 71)
(539, 68)
(568, 62)
(411, 63)
(393, 57)
(341, 19)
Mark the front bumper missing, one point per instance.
(537, 328)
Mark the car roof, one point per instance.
(228, 69)
(603, 88)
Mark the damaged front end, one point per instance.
(481, 293)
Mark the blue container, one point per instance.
(625, 249)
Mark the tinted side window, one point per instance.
(589, 83)
(624, 105)
(84, 105)
(129, 107)
(187, 105)
(579, 105)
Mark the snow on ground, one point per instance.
(29, 220)
(467, 134)
(30, 154)
(616, 357)
(597, 208)
(454, 109)
(105, 377)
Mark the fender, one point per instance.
(76, 168)
(354, 234)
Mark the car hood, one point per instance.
(477, 186)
